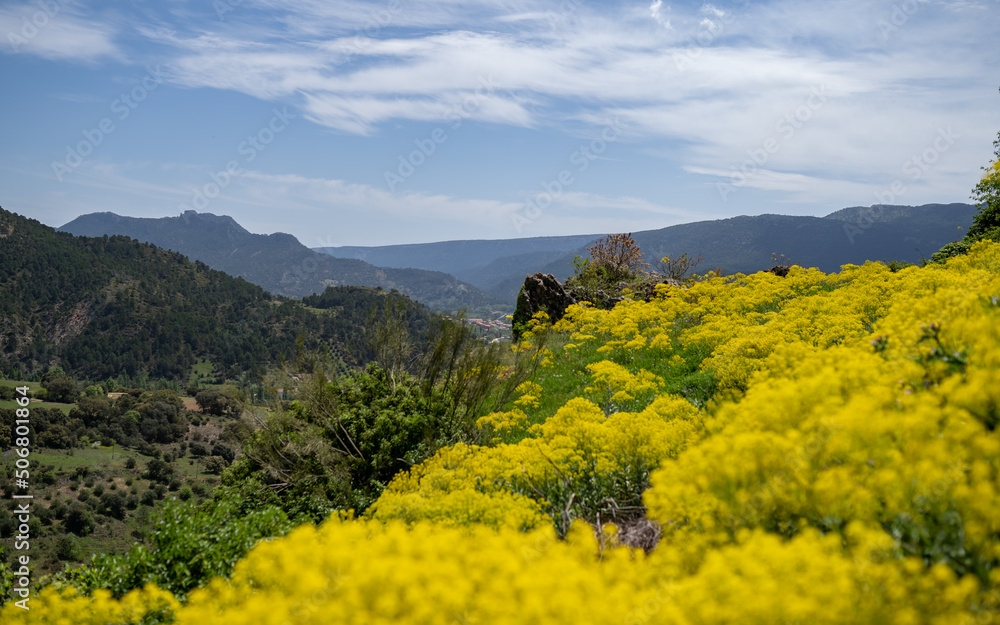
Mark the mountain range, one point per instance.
(485, 275)
(105, 306)
(278, 262)
(742, 244)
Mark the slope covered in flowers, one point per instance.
(816, 448)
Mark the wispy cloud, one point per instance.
(54, 31)
(656, 12)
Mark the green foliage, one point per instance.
(389, 337)
(339, 446)
(158, 471)
(60, 388)
(79, 519)
(463, 373)
(897, 265)
(188, 545)
(987, 196)
(67, 548)
(350, 434)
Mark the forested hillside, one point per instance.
(278, 262)
(110, 306)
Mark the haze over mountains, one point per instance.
(739, 244)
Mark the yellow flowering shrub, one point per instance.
(613, 383)
(370, 573)
(893, 428)
(847, 471)
(511, 484)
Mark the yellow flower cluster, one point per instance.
(470, 484)
(848, 471)
(55, 606)
(370, 573)
(614, 383)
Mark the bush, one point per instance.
(950, 250)
(113, 505)
(215, 464)
(67, 549)
(158, 471)
(189, 545)
(220, 401)
(79, 519)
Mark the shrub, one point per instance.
(79, 520)
(188, 545)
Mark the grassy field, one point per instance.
(37, 404)
(70, 459)
(201, 372)
(34, 386)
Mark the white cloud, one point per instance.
(657, 14)
(53, 31)
(362, 67)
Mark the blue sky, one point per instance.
(401, 121)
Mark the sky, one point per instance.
(405, 121)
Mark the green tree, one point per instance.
(220, 401)
(986, 223)
(79, 520)
(61, 389)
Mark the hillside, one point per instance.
(103, 307)
(278, 262)
(814, 448)
(739, 244)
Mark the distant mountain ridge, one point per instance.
(278, 262)
(741, 244)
